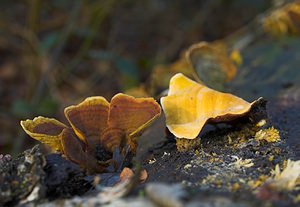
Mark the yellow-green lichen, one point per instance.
(242, 163)
(270, 135)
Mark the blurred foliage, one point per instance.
(55, 53)
(283, 21)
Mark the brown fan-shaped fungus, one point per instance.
(113, 126)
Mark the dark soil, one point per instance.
(64, 179)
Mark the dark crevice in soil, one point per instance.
(63, 178)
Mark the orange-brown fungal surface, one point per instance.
(189, 105)
(89, 119)
(132, 115)
(94, 122)
(76, 152)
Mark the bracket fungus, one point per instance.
(115, 126)
(190, 105)
(211, 63)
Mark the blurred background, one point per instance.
(56, 53)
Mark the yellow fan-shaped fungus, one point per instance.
(189, 105)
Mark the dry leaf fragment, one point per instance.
(288, 178)
(143, 176)
(189, 105)
(127, 173)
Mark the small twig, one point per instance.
(34, 14)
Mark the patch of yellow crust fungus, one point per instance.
(184, 145)
(270, 135)
(237, 138)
